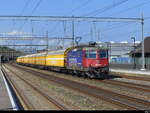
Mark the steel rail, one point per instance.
(147, 79)
(50, 100)
(139, 87)
(115, 98)
(13, 101)
(22, 98)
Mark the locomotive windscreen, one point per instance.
(90, 54)
(103, 54)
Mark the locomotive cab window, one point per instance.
(103, 54)
(90, 54)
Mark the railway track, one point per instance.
(24, 99)
(147, 79)
(138, 87)
(110, 96)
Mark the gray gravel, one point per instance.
(118, 89)
(133, 81)
(69, 97)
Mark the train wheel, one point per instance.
(79, 74)
(71, 72)
(83, 74)
(75, 73)
(67, 71)
(90, 75)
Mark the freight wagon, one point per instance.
(86, 60)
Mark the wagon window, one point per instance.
(90, 54)
(103, 54)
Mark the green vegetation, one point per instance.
(7, 49)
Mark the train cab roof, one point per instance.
(87, 47)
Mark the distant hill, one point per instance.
(9, 52)
(5, 49)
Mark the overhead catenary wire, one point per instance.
(25, 7)
(54, 29)
(37, 5)
(147, 18)
(57, 26)
(131, 8)
(34, 9)
(121, 34)
(80, 6)
(112, 19)
(101, 10)
(73, 10)
(22, 12)
(112, 28)
(130, 32)
(116, 27)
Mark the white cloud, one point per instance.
(124, 42)
(137, 42)
(15, 32)
(112, 42)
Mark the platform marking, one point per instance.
(14, 106)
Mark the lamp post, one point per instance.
(0, 59)
(109, 48)
(143, 45)
(133, 38)
(73, 31)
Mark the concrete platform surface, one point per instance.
(132, 71)
(5, 103)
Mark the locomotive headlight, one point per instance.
(97, 64)
(98, 61)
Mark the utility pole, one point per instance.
(91, 34)
(134, 52)
(143, 46)
(98, 35)
(110, 50)
(32, 39)
(73, 38)
(0, 59)
(95, 30)
(64, 26)
(13, 51)
(47, 45)
(47, 41)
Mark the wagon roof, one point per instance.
(57, 52)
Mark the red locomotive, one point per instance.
(84, 60)
(88, 60)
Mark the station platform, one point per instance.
(5, 100)
(131, 71)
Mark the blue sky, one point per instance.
(108, 31)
